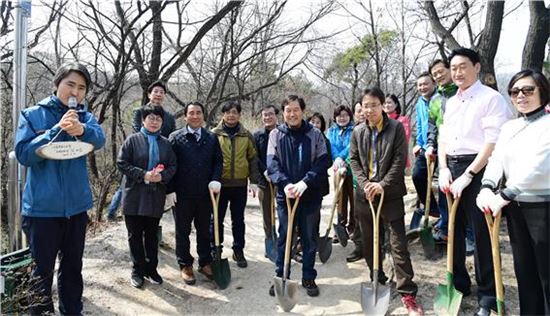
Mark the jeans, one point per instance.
(307, 218)
(115, 203)
(49, 237)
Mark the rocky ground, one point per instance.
(107, 289)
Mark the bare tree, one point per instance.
(537, 36)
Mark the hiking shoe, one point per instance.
(207, 271)
(154, 277)
(311, 287)
(137, 281)
(188, 276)
(440, 237)
(413, 309)
(238, 256)
(470, 247)
(272, 290)
(355, 255)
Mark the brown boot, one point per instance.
(188, 276)
(207, 271)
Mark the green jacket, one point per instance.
(239, 157)
(436, 109)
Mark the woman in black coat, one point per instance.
(148, 163)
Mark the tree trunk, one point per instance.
(537, 36)
(488, 42)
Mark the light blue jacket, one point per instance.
(422, 107)
(339, 140)
(54, 188)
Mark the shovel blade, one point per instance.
(375, 300)
(285, 291)
(428, 243)
(221, 272)
(325, 248)
(447, 300)
(342, 234)
(271, 249)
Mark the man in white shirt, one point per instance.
(471, 125)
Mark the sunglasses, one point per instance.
(526, 90)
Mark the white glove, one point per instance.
(497, 203)
(266, 176)
(460, 184)
(484, 199)
(445, 179)
(289, 191)
(215, 186)
(299, 188)
(253, 188)
(429, 154)
(338, 163)
(342, 171)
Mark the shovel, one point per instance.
(220, 267)
(375, 297)
(285, 289)
(426, 237)
(271, 243)
(325, 242)
(340, 230)
(447, 300)
(494, 228)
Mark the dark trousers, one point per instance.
(235, 197)
(199, 211)
(308, 215)
(143, 242)
(469, 213)
(48, 237)
(529, 230)
(398, 241)
(265, 197)
(347, 196)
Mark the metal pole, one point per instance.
(22, 13)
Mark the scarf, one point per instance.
(154, 156)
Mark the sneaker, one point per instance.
(137, 281)
(311, 287)
(154, 277)
(440, 237)
(335, 239)
(272, 290)
(187, 275)
(413, 309)
(354, 255)
(238, 256)
(207, 271)
(298, 257)
(470, 247)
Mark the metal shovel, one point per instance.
(375, 298)
(325, 242)
(448, 298)
(220, 267)
(271, 243)
(494, 228)
(285, 289)
(426, 237)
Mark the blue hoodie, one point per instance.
(54, 188)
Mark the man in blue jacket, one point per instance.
(200, 164)
(57, 192)
(297, 163)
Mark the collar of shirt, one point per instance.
(193, 131)
(379, 126)
(470, 91)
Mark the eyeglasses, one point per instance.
(154, 118)
(526, 90)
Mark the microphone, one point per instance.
(72, 103)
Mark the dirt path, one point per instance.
(107, 289)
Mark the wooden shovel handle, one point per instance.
(215, 198)
(289, 229)
(451, 233)
(430, 165)
(339, 181)
(494, 229)
(375, 225)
